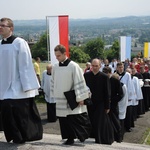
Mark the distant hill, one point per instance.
(100, 21)
(84, 29)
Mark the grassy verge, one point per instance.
(40, 99)
(146, 137)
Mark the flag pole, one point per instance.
(47, 32)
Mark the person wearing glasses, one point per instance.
(18, 87)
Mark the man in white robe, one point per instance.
(50, 102)
(135, 88)
(139, 95)
(18, 87)
(66, 76)
(125, 78)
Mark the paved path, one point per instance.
(53, 142)
(141, 125)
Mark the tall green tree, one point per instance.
(113, 52)
(40, 48)
(95, 48)
(116, 49)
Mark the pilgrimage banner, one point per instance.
(147, 49)
(125, 48)
(58, 34)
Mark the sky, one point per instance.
(76, 9)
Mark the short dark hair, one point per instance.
(107, 70)
(10, 22)
(60, 48)
(120, 64)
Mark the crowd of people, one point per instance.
(118, 93)
(129, 86)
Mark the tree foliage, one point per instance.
(95, 48)
(78, 55)
(40, 48)
(92, 49)
(113, 52)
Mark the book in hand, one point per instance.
(88, 101)
(71, 99)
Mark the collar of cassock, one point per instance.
(8, 40)
(65, 63)
(121, 74)
(48, 73)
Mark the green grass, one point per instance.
(42, 67)
(146, 135)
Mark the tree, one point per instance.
(78, 55)
(40, 48)
(95, 48)
(113, 52)
(116, 49)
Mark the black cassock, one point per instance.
(102, 129)
(21, 120)
(146, 90)
(141, 105)
(1, 126)
(116, 96)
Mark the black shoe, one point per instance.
(19, 142)
(128, 130)
(69, 142)
(82, 140)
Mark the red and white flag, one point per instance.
(58, 34)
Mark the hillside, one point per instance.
(84, 29)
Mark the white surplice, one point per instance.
(126, 79)
(17, 76)
(45, 85)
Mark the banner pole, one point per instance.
(47, 32)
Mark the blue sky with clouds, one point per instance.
(83, 9)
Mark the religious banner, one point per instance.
(125, 48)
(58, 34)
(147, 49)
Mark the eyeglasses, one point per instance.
(3, 26)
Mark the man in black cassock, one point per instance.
(99, 85)
(145, 88)
(116, 96)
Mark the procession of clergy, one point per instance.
(129, 84)
(134, 78)
(131, 98)
(107, 97)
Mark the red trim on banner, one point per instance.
(63, 32)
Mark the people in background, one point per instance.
(37, 68)
(50, 102)
(88, 67)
